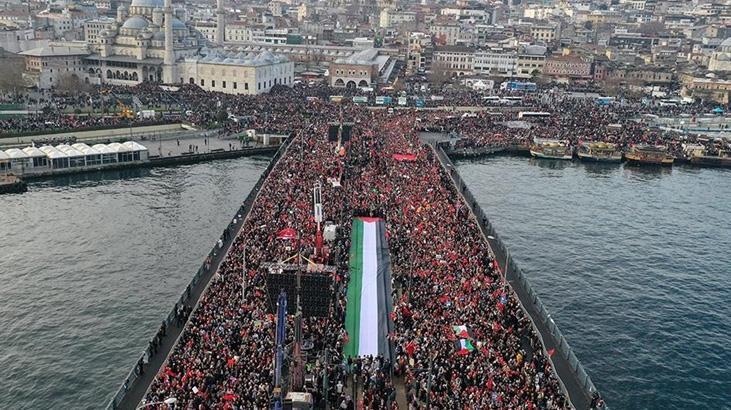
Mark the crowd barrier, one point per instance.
(216, 254)
(567, 367)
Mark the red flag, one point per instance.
(404, 157)
(287, 233)
(410, 348)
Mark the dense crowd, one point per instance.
(574, 120)
(443, 275)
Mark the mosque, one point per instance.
(148, 42)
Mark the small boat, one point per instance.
(551, 149)
(599, 152)
(649, 155)
(11, 184)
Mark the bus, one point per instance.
(518, 86)
(533, 114)
(492, 99)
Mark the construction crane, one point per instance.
(124, 110)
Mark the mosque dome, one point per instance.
(135, 23)
(147, 3)
(178, 25)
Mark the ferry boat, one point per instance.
(551, 149)
(599, 152)
(702, 157)
(649, 154)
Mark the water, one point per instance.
(632, 263)
(91, 264)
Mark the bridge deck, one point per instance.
(579, 395)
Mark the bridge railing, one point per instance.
(204, 269)
(520, 283)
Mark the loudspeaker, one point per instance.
(347, 130)
(332, 132)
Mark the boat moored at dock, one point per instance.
(599, 152)
(11, 184)
(551, 149)
(701, 156)
(644, 154)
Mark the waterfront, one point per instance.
(631, 264)
(91, 265)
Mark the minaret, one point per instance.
(169, 70)
(220, 23)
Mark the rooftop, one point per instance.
(365, 57)
(218, 56)
(53, 50)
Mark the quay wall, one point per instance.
(135, 385)
(94, 133)
(518, 150)
(574, 379)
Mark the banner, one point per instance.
(367, 316)
(404, 157)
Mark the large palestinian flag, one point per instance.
(367, 318)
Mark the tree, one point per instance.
(11, 80)
(438, 75)
(222, 115)
(71, 84)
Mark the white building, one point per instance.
(148, 43)
(496, 62)
(394, 18)
(237, 72)
(93, 27)
(470, 15)
(47, 66)
(721, 58)
(238, 31)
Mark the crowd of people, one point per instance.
(443, 273)
(574, 120)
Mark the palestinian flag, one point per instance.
(464, 347)
(462, 331)
(367, 316)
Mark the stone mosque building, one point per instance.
(148, 42)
